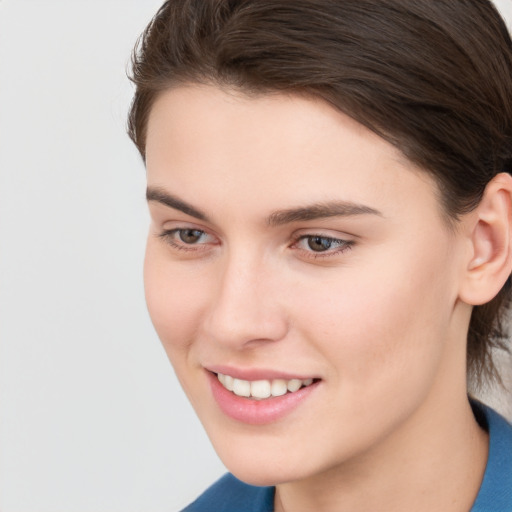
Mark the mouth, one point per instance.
(263, 389)
(260, 401)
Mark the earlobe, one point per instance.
(489, 262)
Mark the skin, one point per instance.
(381, 318)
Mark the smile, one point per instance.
(260, 401)
(261, 389)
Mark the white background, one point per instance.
(92, 418)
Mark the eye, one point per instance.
(190, 236)
(187, 239)
(320, 245)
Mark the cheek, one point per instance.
(173, 303)
(382, 326)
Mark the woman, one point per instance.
(330, 247)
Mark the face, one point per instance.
(301, 260)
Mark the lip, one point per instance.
(257, 412)
(255, 373)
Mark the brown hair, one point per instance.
(432, 77)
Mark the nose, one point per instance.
(245, 309)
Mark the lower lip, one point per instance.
(257, 412)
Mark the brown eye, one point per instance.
(320, 246)
(190, 236)
(319, 243)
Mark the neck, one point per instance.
(441, 472)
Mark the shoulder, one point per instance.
(496, 491)
(231, 495)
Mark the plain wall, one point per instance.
(91, 416)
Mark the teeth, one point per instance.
(260, 389)
(294, 385)
(279, 387)
(228, 384)
(241, 387)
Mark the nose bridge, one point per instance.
(245, 307)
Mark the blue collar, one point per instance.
(495, 493)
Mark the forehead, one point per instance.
(276, 147)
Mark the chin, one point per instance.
(267, 460)
(264, 474)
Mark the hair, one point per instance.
(432, 77)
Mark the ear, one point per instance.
(489, 261)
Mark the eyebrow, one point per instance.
(277, 218)
(320, 211)
(161, 196)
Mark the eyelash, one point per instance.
(342, 245)
(169, 236)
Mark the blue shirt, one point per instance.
(495, 495)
